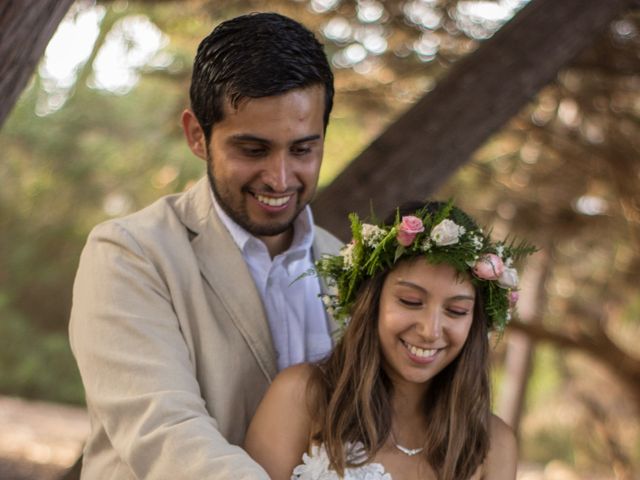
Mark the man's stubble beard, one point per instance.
(242, 217)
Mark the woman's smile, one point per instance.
(420, 355)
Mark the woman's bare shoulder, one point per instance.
(500, 431)
(292, 382)
(279, 431)
(299, 372)
(502, 460)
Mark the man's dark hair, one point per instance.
(253, 56)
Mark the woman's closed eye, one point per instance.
(410, 302)
(457, 312)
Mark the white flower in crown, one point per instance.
(447, 232)
(500, 250)
(508, 262)
(330, 304)
(477, 242)
(347, 256)
(508, 278)
(372, 234)
(426, 245)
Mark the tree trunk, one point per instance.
(417, 153)
(26, 26)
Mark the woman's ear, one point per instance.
(194, 134)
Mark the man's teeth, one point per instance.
(273, 202)
(420, 352)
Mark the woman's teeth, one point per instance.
(420, 352)
(273, 202)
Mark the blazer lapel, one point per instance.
(225, 270)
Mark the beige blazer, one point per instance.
(172, 343)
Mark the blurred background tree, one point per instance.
(96, 135)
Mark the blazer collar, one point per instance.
(223, 267)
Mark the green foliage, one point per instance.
(35, 363)
(98, 156)
(347, 135)
(546, 445)
(631, 313)
(544, 380)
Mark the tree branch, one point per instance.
(26, 27)
(480, 93)
(599, 346)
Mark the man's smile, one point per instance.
(272, 201)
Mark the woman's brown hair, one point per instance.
(352, 394)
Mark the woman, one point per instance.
(405, 394)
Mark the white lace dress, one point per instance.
(316, 466)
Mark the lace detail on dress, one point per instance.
(316, 466)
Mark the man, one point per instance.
(184, 311)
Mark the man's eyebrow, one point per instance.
(246, 137)
(309, 138)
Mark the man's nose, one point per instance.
(276, 172)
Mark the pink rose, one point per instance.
(488, 267)
(513, 298)
(408, 229)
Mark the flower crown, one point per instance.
(444, 234)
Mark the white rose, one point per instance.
(509, 278)
(447, 232)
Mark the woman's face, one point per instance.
(425, 316)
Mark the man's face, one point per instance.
(264, 159)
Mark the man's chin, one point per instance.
(270, 225)
(270, 230)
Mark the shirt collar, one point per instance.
(303, 229)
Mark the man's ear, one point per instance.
(194, 134)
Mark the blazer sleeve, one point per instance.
(139, 379)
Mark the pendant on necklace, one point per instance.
(409, 451)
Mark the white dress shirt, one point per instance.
(297, 320)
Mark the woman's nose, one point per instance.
(430, 325)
